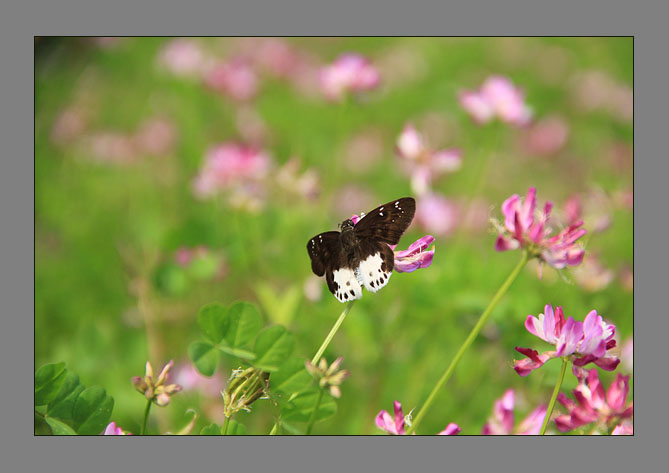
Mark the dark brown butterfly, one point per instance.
(359, 255)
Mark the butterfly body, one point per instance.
(359, 255)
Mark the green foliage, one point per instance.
(72, 408)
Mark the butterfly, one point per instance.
(359, 255)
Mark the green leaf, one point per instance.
(59, 427)
(48, 381)
(244, 323)
(211, 429)
(92, 410)
(62, 405)
(212, 321)
(204, 356)
(292, 377)
(241, 353)
(280, 306)
(302, 406)
(235, 428)
(273, 346)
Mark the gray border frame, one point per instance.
(23, 452)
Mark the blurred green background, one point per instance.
(121, 132)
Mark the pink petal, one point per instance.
(531, 425)
(505, 244)
(410, 144)
(617, 393)
(476, 106)
(446, 160)
(532, 362)
(399, 418)
(385, 422)
(451, 429)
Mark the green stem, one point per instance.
(331, 335)
(275, 429)
(551, 404)
(225, 425)
(472, 335)
(146, 416)
(312, 420)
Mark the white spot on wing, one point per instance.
(371, 274)
(347, 285)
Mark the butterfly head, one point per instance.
(346, 225)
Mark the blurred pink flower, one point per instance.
(188, 377)
(234, 78)
(497, 97)
(502, 422)
(306, 185)
(523, 229)
(546, 137)
(415, 257)
(113, 429)
(184, 57)
(422, 163)
(594, 209)
(156, 136)
(69, 124)
(592, 275)
(593, 404)
(595, 90)
(626, 428)
(276, 56)
(437, 214)
(583, 342)
(110, 147)
(627, 355)
(350, 73)
(395, 426)
(231, 166)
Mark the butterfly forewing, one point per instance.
(387, 222)
(324, 249)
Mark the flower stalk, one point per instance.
(551, 404)
(332, 333)
(312, 419)
(470, 339)
(146, 416)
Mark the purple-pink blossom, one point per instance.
(437, 214)
(231, 166)
(626, 428)
(113, 429)
(234, 78)
(593, 404)
(583, 342)
(524, 228)
(349, 74)
(421, 162)
(416, 256)
(502, 421)
(394, 425)
(497, 98)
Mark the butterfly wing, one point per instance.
(387, 222)
(324, 250)
(343, 283)
(377, 261)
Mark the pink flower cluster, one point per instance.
(234, 78)
(234, 168)
(113, 429)
(584, 342)
(593, 404)
(499, 98)
(502, 421)
(395, 426)
(524, 229)
(421, 162)
(350, 73)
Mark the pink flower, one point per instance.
(626, 428)
(415, 256)
(583, 342)
(502, 421)
(437, 214)
(592, 275)
(497, 97)
(184, 57)
(113, 429)
(593, 404)
(525, 229)
(395, 426)
(546, 137)
(451, 429)
(349, 73)
(230, 165)
(421, 162)
(190, 380)
(234, 78)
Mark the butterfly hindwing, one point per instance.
(323, 250)
(387, 222)
(343, 283)
(376, 265)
